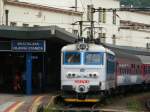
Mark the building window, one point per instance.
(36, 25)
(89, 16)
(88, 12)
(88, 33)
(102, 37)
(75, 32)
(13, 24)
(114, 17)
(104, 15)
(25, 25)
(148, 45)
(100, 14)
(114, 39)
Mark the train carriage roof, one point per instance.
(129, 50)
(144, 59)
(126, 56)
(132, 53)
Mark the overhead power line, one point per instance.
(120, 9)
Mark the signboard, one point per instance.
(82, 81)
(28, 45)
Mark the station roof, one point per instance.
(31, 33)
(58, 34)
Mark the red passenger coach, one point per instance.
(145, 67)
(128, 70)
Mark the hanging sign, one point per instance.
(28, 45)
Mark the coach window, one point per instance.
(148, 69)
(144, 69)
(127, 70)
(133, 68)
(139, 70)
(120, 71)
(123, 71)
(72, 58)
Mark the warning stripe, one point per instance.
(16, 107)
(5, 105)
(10, 107)
(36, 101)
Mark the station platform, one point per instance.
(22, 103)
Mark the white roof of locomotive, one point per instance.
(92, 47)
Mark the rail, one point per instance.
(41, 109)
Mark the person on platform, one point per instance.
(17, 82)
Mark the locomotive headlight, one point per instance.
(69, 75)
(73, 75)
(90, 75)
(82, 46)
(94, 75)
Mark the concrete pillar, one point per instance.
(29, 73)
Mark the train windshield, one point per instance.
(93, 58)
(72, 58)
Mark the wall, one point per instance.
(134, 16)
(130, 37)
(31, 16)
(109, 28)
(127, 37)
(1, 11)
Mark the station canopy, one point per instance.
(36, 33)
(56, 34)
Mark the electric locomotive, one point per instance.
(87, 71)
(90, 71)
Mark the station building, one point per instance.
(16, 13)
(34, 52)
(126, 28)
(134, 29)
(31, 38)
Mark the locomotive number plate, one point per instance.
(81, 81)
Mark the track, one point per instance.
(79, 107)
(59, 106)
(85, 110)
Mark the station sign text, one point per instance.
(28, 45)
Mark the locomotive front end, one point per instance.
(81, 73)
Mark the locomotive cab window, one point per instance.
(72, 58)
(93, 58)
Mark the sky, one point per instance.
(53, 3)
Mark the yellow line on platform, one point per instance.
(35, 104)
(16, 107)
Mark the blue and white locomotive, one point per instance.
(87, 70)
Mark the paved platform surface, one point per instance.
(22, 103)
